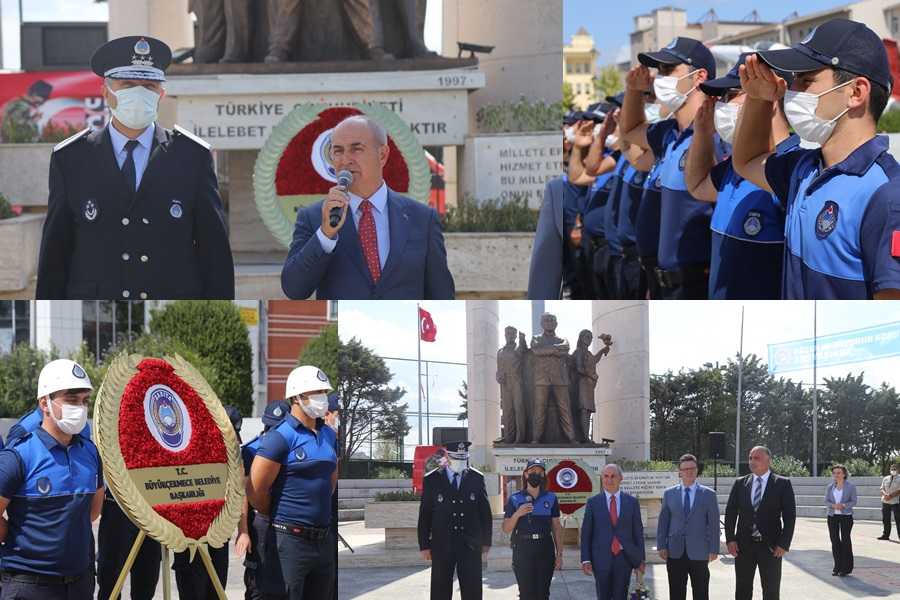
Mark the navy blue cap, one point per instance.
(458, 450)
(594, 113)
(234, 415)
(535, 462)
(333, 404)
(132, 57)
(573, 116)
(732, 80)
(682, 50)
(617, 99)
(840, 44)
(275, 412)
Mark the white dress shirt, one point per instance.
(379, 213)
(141, 152)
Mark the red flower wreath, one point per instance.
(296, 174)
(205, 446)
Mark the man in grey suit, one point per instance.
(687, 537)
(545, 276)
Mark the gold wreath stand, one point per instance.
(106, 426)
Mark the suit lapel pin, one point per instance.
(440, 498)
(90, 211)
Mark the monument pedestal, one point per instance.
(511, 459)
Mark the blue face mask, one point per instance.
(135, 107)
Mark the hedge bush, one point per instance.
(214, 330)
(19, 372)
(401, 496)
(788, 466)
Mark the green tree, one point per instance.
(464, 407)
(19, 372)
(322, 352)
(568, 96)
(214, 330)
(370, 407)
(608, 81)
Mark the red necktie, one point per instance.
(369, 240)
(616, 547)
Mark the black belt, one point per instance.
(598, 242)
(649, 263)
(629, 251)
(307, 533)
(38, 578)
(674, 277)
(533, 536)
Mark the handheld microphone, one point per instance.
(529, 500)
(344, 178)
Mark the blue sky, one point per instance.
(611, 23)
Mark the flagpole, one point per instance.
(419, 366)
(427, 407)
(815, 440)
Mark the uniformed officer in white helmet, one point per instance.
(51, 487)
(292, 479)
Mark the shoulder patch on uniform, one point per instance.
(178, 129)
(474, 470)
(71, 139)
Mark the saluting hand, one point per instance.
(337, 197)
(639, 78)
(584, 134)
(758, 80)
(704, 120)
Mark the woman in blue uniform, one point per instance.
(532, 514)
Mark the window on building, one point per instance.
(15, 324)
(332, 310)
(587, 67)
(894, 24)
(106, 322)
(578, 67)
(577, 88)
(569, 68)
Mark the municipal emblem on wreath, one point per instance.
(175, 209)
(753, 223)
(44, 486)
(681, 161)
(440, 498)
(827, 219)
(567, 478)
(638, 178)
(165, 415)
(89, 210)
(472, 497)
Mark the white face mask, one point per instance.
(667, 93)
(651, 111)
(800, 110)
(611, 141)
(570, 134)
(457, 465)
(893, 471)
(726, 120)
(135, 107)
(318, 405)
(74, 418)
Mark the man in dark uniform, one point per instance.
(455, 525)
(292, 479)
(254, 524)
(51, 487)
(134, 209)
(19, 120)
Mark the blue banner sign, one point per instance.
(871, 343)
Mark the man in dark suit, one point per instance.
(762, 506)
(390, 248)
(545, 276)
(687, 537)
(134, 210)
(455, 525)
(612, 537)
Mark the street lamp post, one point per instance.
(737, 430)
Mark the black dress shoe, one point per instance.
(834, 573)
(842, 574)
(883, 537)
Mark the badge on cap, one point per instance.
(89, 210)
(44, 486)
(175, 209)
(753, 223)
(142, 50)
(321, 376)
(810, 36)
(672, 43)
(827, 219)
(78, 372)
(277, 411)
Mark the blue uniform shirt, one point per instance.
(593, 220)
(629, 204)
(31, 421)
(684, 236)
(647, 220)
(301, 493)
(612, 205)
(248, 453)
(747, 236)
(50, 488)
(546, 506)
(573, 200)
(842, 234)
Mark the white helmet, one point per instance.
(306, 379)
(62, 374)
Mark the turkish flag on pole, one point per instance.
(427, 330)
